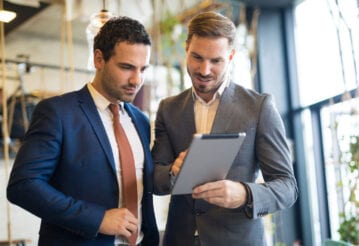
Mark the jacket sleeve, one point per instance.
(162, 154)
(279, 189)
(30, 180)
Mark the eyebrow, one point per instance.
(213, 58)
(131, 65)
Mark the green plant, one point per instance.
(349, 226)
(172, 39)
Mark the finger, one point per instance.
(132, 220)
(215, 193)
(127, 227)
(131, 228)
(175, 169)
(207, 187)
(127, 214)
(216, 201)
(125, 232)
(183, 154)
(177, 166)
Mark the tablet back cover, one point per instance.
(209, 158)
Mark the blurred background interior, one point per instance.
(304, 52)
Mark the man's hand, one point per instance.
(118, 221)
(176, 167)
(223, 193)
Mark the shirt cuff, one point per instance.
(248, 206)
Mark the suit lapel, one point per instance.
(140, 129)
(188, 127)
(226, 107)
(145, 140)
(88, 106)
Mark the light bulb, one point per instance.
(97, 20)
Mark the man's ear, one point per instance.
(98, 58)
(231, 55)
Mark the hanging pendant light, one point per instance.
(7, 16)
(97, 20)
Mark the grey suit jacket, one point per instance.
(264, 149)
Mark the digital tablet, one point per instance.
(209, 158)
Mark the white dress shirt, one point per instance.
(205, 112)
(137, 149)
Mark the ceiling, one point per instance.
(39, 29)
(23, 13)
(48, 12)
(48, 18)
(40, 35)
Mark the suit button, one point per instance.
(199, 212)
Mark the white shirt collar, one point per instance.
(100, 101)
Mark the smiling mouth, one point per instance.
(202, 77)
(130, 90)
(205, 80)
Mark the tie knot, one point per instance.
(115, 109)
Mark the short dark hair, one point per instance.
(120, 29)
(213, 25)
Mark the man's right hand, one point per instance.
(119, 221)
(176, 167)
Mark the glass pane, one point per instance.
(326, 46)
(340, 135)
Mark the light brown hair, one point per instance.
(212, 25)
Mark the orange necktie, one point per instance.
(128, 176)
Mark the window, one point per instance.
(327, 38)
(340, 129)
(327, 58)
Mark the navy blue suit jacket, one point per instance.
(65, 172)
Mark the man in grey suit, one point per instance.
(230, 211)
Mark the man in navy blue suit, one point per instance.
(67, 170)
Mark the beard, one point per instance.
(212, 85)
(122, 92)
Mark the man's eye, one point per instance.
(126, 67)
(216, 61)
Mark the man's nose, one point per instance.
(136, 78)
(205, 68)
